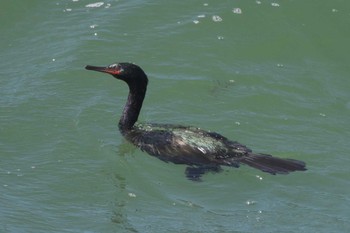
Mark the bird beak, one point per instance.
(108, 69)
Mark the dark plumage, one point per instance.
(201, 150)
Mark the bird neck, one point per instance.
(132, 108)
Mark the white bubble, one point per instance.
(131, 194)
(237, 10)
(250, 202)
(216, 18)
(96, 4)
(275, 4)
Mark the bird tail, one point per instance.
(273, 165)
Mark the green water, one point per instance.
(274, 76)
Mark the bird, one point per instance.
(200, 150)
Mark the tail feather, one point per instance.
(273, 165)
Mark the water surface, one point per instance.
(270, 74)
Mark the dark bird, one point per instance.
(203, 151)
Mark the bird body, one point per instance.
(185, 145)
(203, 151)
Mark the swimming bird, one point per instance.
(202, 151)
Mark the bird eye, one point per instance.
(115, 68)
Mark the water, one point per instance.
(270, 74)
